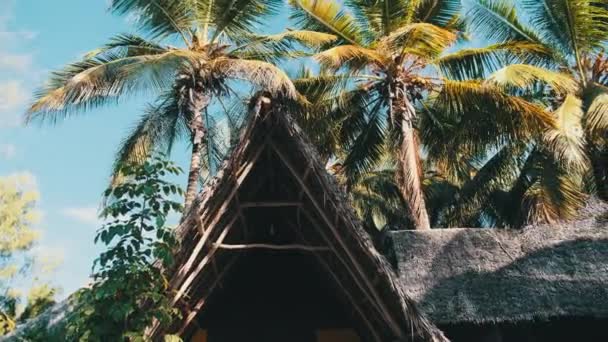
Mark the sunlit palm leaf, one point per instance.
(420, 39)
(262, 74)
(477, 63)
(567, 139)
(596, 120)
(326, 16)
(90, 83)
(525, 76)
(350, 56)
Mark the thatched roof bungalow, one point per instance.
(545, 283)
(273, 252)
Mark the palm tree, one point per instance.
(389, 69)
(550, 172)
(216, 52)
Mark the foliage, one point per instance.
(17, 217)
(219, 57)
(129, 289)
(400, 89)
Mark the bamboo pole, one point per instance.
(183, 288)
(290, 247)
(183, 271)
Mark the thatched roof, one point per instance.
(274, 166)
(49, 326)
(491, 275)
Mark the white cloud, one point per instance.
(15, 62)
(7, 151)
(86, 215)
(13, 96)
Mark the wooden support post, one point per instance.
(397, 330)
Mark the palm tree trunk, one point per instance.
(409, 177)
(196, 103)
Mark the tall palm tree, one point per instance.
(539, 178)
(389, 67)
(576, 34)
(216, 51)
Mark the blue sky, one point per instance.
(70, 161)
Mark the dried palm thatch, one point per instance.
(490, 275)
(274, 157)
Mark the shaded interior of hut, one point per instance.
(264, 294)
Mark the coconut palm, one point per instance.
(549, 171)
(214, 51)
(389, 69)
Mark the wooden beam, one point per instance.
(336, 279)
(367, 296)
(184, 287)
(270, 204)
(201, 302)
(397, 330)
(290, 247)
(183, 271)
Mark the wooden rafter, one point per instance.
(397, 330)
(183, 271)
(186, 284)
(201, 302)
(336, 279)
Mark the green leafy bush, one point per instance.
(129, 289)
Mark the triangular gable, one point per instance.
(274, 167)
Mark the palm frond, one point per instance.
(368, 147)
(326, 16)
(239, 17)
(262, 74)
(477, 63)
(551, 193)
(128, 45)
(575, 26)
(420, 39)
(525, 76)
(380, 17)
(496, 173)
(159, 18)
(596, 119)
(438, 12)
(277, 47)
(566, 141)
(498, 20)
(158, 128)
(352, 57)
(101, 80)
(491, 112)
